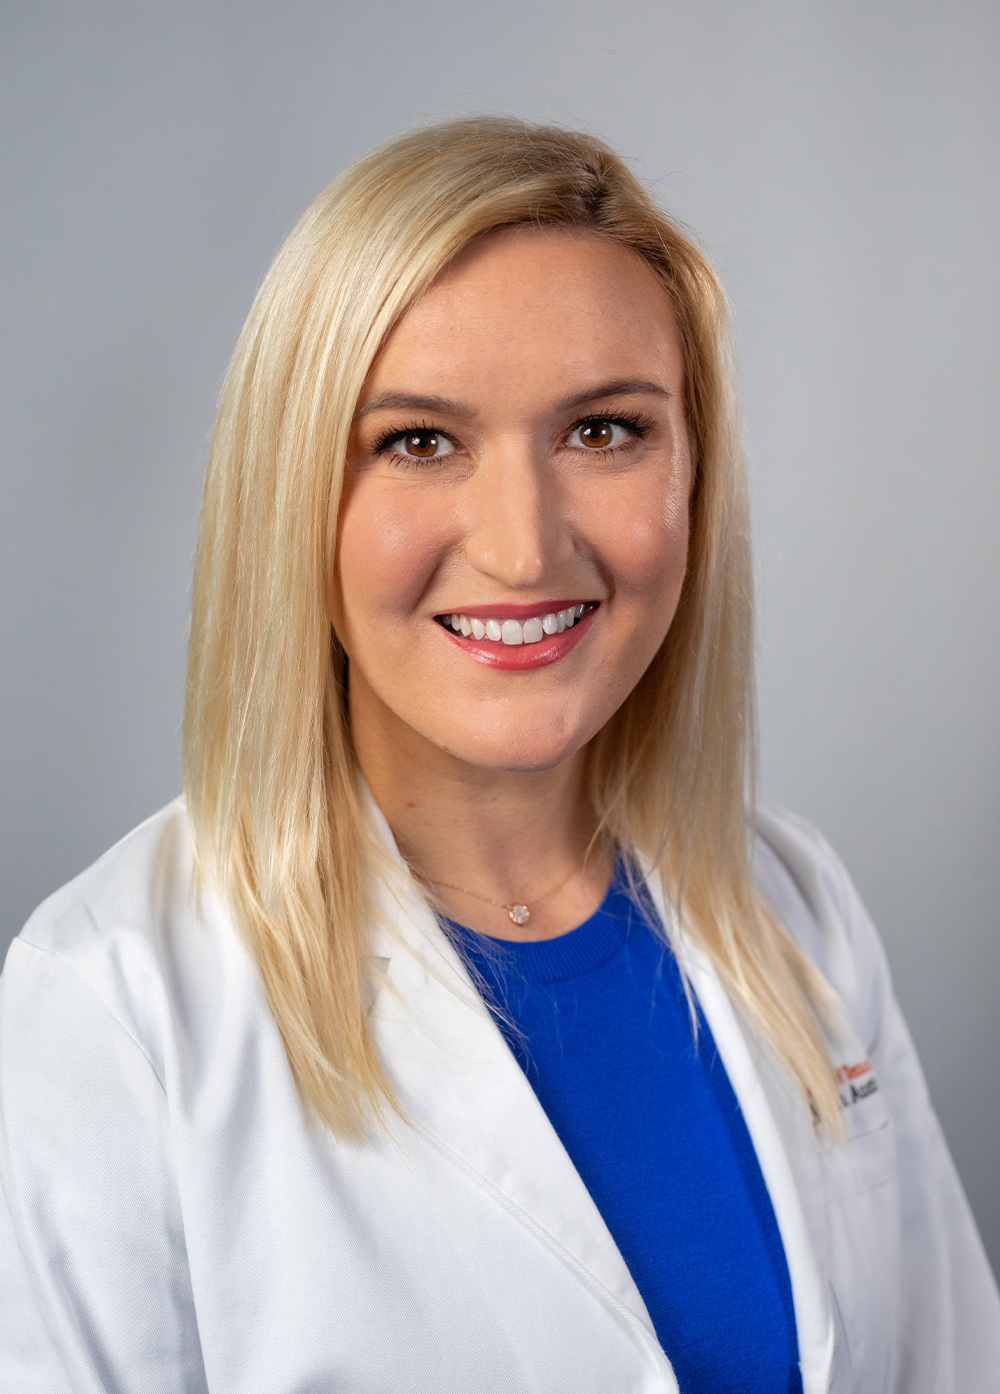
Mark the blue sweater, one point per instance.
(600, 1024)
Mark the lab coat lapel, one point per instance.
(782, 1135)
(462, 1090)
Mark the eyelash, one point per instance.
(637, 425)
(634, 422)
(396, 433)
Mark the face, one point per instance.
(513, 534)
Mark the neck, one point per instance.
(505, 835)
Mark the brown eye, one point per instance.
(423, 444)
(597, 435)
(414, 446)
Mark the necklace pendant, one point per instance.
(520, 914)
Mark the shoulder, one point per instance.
(811, 893)
(128, 889)
(128, 933)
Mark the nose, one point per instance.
(519, 525)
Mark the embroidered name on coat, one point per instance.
(857, 1087)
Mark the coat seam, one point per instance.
(67, 963)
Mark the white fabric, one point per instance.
(171, 1222)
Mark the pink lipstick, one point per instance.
(514, 638)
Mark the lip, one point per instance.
(518, 612)
(519, 658)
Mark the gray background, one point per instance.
(839, 161)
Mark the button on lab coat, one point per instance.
(171, 1222)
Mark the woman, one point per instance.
(458, 1030)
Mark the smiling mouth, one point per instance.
(505, 630)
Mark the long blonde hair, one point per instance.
(270, 774)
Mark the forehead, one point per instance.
(525, 305)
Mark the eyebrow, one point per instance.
(617, 387)
(413, 401)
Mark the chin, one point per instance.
(516, 749)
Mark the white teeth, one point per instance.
(510, 631)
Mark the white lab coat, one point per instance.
(173, 1224)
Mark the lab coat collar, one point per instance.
(461, 1088)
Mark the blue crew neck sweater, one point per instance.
(600, 1024)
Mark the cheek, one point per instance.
(388, 548)
(646, 548)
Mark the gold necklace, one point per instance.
(518, 911)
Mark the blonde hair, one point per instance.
(270, 774)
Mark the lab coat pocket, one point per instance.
(865, 1160)
(862, 1209)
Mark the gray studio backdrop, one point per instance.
(839, 162)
